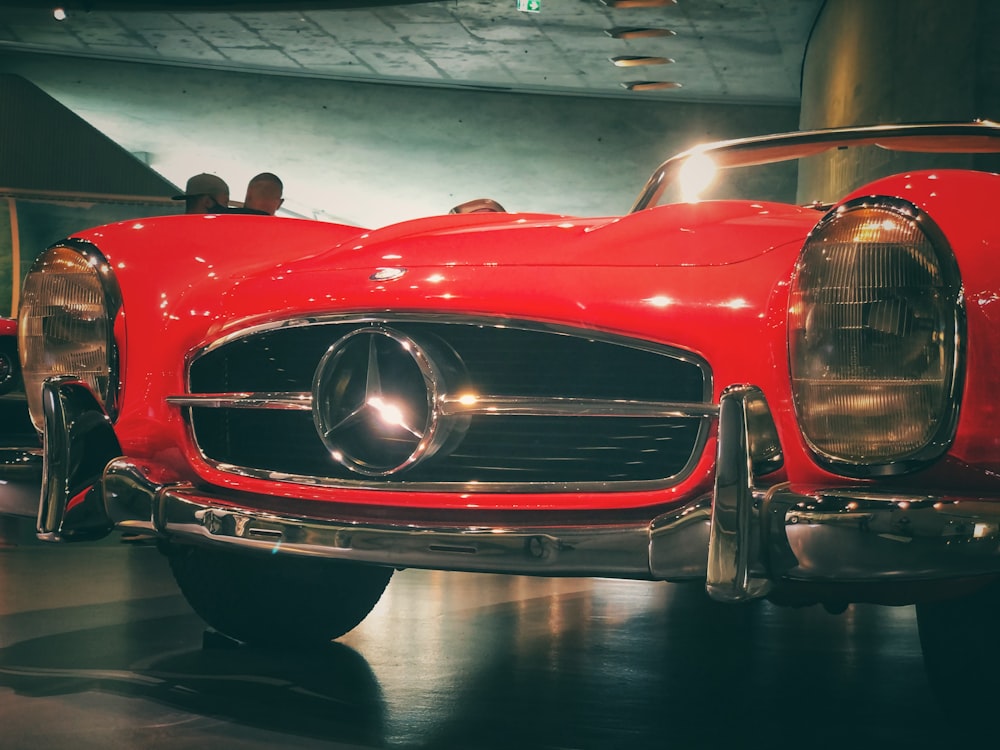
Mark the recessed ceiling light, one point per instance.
(631, 61)
(651, 85)
(623, 32)
(638, 3)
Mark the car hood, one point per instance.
(606, 273)
(190, 280)
(710, 233)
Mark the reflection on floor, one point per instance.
(98, 650)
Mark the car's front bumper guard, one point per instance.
(742, 543)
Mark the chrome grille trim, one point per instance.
(579, 456)
(483, 405)
(283, 401)
(577, 407)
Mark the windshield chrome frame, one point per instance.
(977, 137)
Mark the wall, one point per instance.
(45, 147)
(373, 154)
(58, 174)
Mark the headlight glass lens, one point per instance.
(65, 326)
(874, 330)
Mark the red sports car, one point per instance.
(785, 401)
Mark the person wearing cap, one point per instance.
(478, 206)
(205, 194)
(264, 194)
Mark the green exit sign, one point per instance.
(530, 6)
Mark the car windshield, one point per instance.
(784, 167)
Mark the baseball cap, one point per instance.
(203, 184)
(478, 206)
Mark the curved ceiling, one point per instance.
(735, 51)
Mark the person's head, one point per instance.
(204, 193)
(264, 193)
(478, 206)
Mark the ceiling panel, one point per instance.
(733, 51)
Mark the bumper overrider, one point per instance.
(742, 540)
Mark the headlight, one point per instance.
(65, 324)
(875, 332)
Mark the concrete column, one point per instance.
(891, 61)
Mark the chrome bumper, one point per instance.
(743, 543)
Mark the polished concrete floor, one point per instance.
(98, 650)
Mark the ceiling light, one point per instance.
(697, 173)
(59, 14)
(651, 85)
(624, 32)
(638, 3)
(630, 61)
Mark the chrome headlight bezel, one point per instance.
(887, 393)
(38, 362)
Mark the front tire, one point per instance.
(279, 601)
(958, 638)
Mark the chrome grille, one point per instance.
(651, 424)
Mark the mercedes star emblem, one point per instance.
(376, 400)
